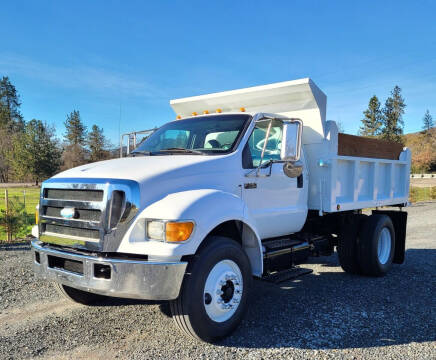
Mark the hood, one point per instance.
(143, 168)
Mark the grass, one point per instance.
(417, 194)
(17, 195)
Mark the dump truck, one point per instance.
(244, 184)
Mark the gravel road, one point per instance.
(327, 314)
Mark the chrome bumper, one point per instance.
(127, 278)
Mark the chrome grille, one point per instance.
(89, 223)
(81, 214)
(79, 195)
(71, 231)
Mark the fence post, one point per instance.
(9, 234)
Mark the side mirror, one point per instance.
(291, 140)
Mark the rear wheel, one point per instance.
(377, 245)
(215, 290)
(79, 296)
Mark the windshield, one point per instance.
(216, 134)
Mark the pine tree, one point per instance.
(74, 153)
(97, 144)
(393, 116)
(76, 130)
(10, 115)
(11, 122)
(371, 123)
(427, 122)
(36, 152)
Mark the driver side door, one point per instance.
(277, 203)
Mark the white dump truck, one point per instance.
(245, 183)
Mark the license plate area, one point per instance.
(72, 266)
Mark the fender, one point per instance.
(208, 208)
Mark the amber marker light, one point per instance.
(242, 109)
(219, 110)
(206, 112)
(178, 117)
(178, 231)
(37, 215)
(194, 114)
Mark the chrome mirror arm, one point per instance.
(264, 146)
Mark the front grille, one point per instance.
(72, 231)
(83, 215)
(80, 214)
(71, 216)
(78, 195)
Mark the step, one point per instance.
(288, 274)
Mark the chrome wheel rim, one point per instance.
(384, 246)
(223, 291)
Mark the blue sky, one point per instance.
(98, 56)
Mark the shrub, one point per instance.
(15, 220)
(433, 193)
(413, 194)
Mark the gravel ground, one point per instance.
(327, 314)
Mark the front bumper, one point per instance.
(134, 279)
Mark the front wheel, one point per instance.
(215, 291)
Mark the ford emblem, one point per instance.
(68, 212)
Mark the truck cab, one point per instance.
(250, 188)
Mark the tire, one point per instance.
(219, 277)
(79, 296)
(376, 245)
(347, 247)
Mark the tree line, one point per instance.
(387, 123)
(30, 150)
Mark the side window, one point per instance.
(256, 142)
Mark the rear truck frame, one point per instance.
(251, 188)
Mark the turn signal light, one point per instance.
(242, 109)
(219, 110)
(178, 231)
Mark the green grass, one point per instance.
(17, 195)
(418, 194)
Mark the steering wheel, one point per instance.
(223, 146)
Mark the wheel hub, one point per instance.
(223, 290)
(384, 246)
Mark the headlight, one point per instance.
(156, 230)
(169, 231)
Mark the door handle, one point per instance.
(250, 186)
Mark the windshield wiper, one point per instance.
(183, 150)
(145, 153)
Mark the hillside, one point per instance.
(423, 147)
